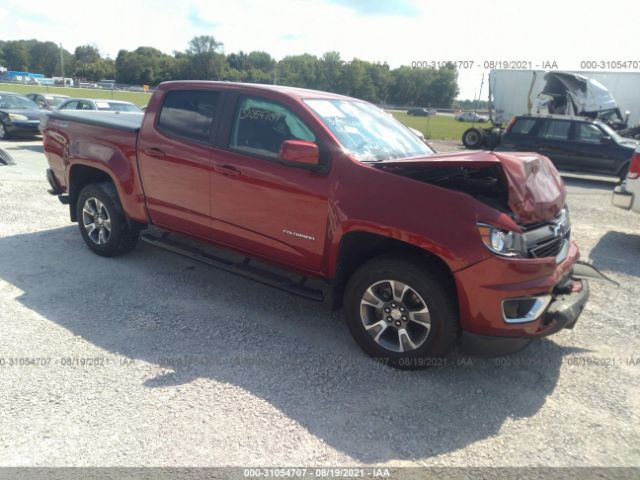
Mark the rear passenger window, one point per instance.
(260, 127)
(523, 126)
(70, 105)
(556, 130)
(189, 114)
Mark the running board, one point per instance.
(243, 268)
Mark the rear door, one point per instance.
(176, 158)
(553, 141)
(260, 205)
(521, 137)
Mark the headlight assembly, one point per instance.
(16, 117)
(502, 242)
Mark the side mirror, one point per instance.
(605, 140)
(299, 151)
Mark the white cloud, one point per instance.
(491, 30)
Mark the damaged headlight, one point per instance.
(502, 242)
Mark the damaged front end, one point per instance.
(524, 185)
(567, 93)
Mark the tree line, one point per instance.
(204, 59)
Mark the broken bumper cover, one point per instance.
(562, 312)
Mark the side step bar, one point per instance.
(243, 268)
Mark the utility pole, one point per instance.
(62, 66)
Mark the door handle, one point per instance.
(228, 170)
(154, 152)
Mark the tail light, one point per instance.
(634, 168)
(510, 124)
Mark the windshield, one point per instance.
(117, 107)
(368, 133)
(17, 102)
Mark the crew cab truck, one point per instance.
(420, 250)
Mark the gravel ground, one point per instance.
(151, 359)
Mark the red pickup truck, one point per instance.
(421, 250)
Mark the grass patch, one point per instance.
(440, 127)
(140, 99)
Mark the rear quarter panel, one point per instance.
(69, 144)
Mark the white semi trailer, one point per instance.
(612, 96)
(516, 92)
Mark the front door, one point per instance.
(260, 205)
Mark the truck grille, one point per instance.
(550, 248)
(548, 239)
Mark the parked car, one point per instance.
(18, 115)
(99, 105)
(420, 112)
(627, 194)
(471, 117)
(47, 101)
(574, 144)
(421, 250)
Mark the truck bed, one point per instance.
(129, 122)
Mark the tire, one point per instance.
(112, 234)
(411, 330)
(4, 134)
(473, 138)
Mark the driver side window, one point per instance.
(589, 133)
(260, 126)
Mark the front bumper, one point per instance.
(28, 127)
(563, 312)
(485, 286)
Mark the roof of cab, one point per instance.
(290, 91)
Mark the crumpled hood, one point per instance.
(536, 192)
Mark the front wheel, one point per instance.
(472, 138)
(4, 134)
(103, 225)
(399, 312)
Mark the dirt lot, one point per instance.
(152, 359)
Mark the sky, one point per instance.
(398, 32)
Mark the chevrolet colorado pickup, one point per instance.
(421, 250)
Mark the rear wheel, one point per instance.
(472, 138)
(103, 225)
(399, 312)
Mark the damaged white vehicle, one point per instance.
(567, 93)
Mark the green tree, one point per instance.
(45, 58)
(205, 60)
(86, 54)
(298, 71)
(16, 55)
(330, 71)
